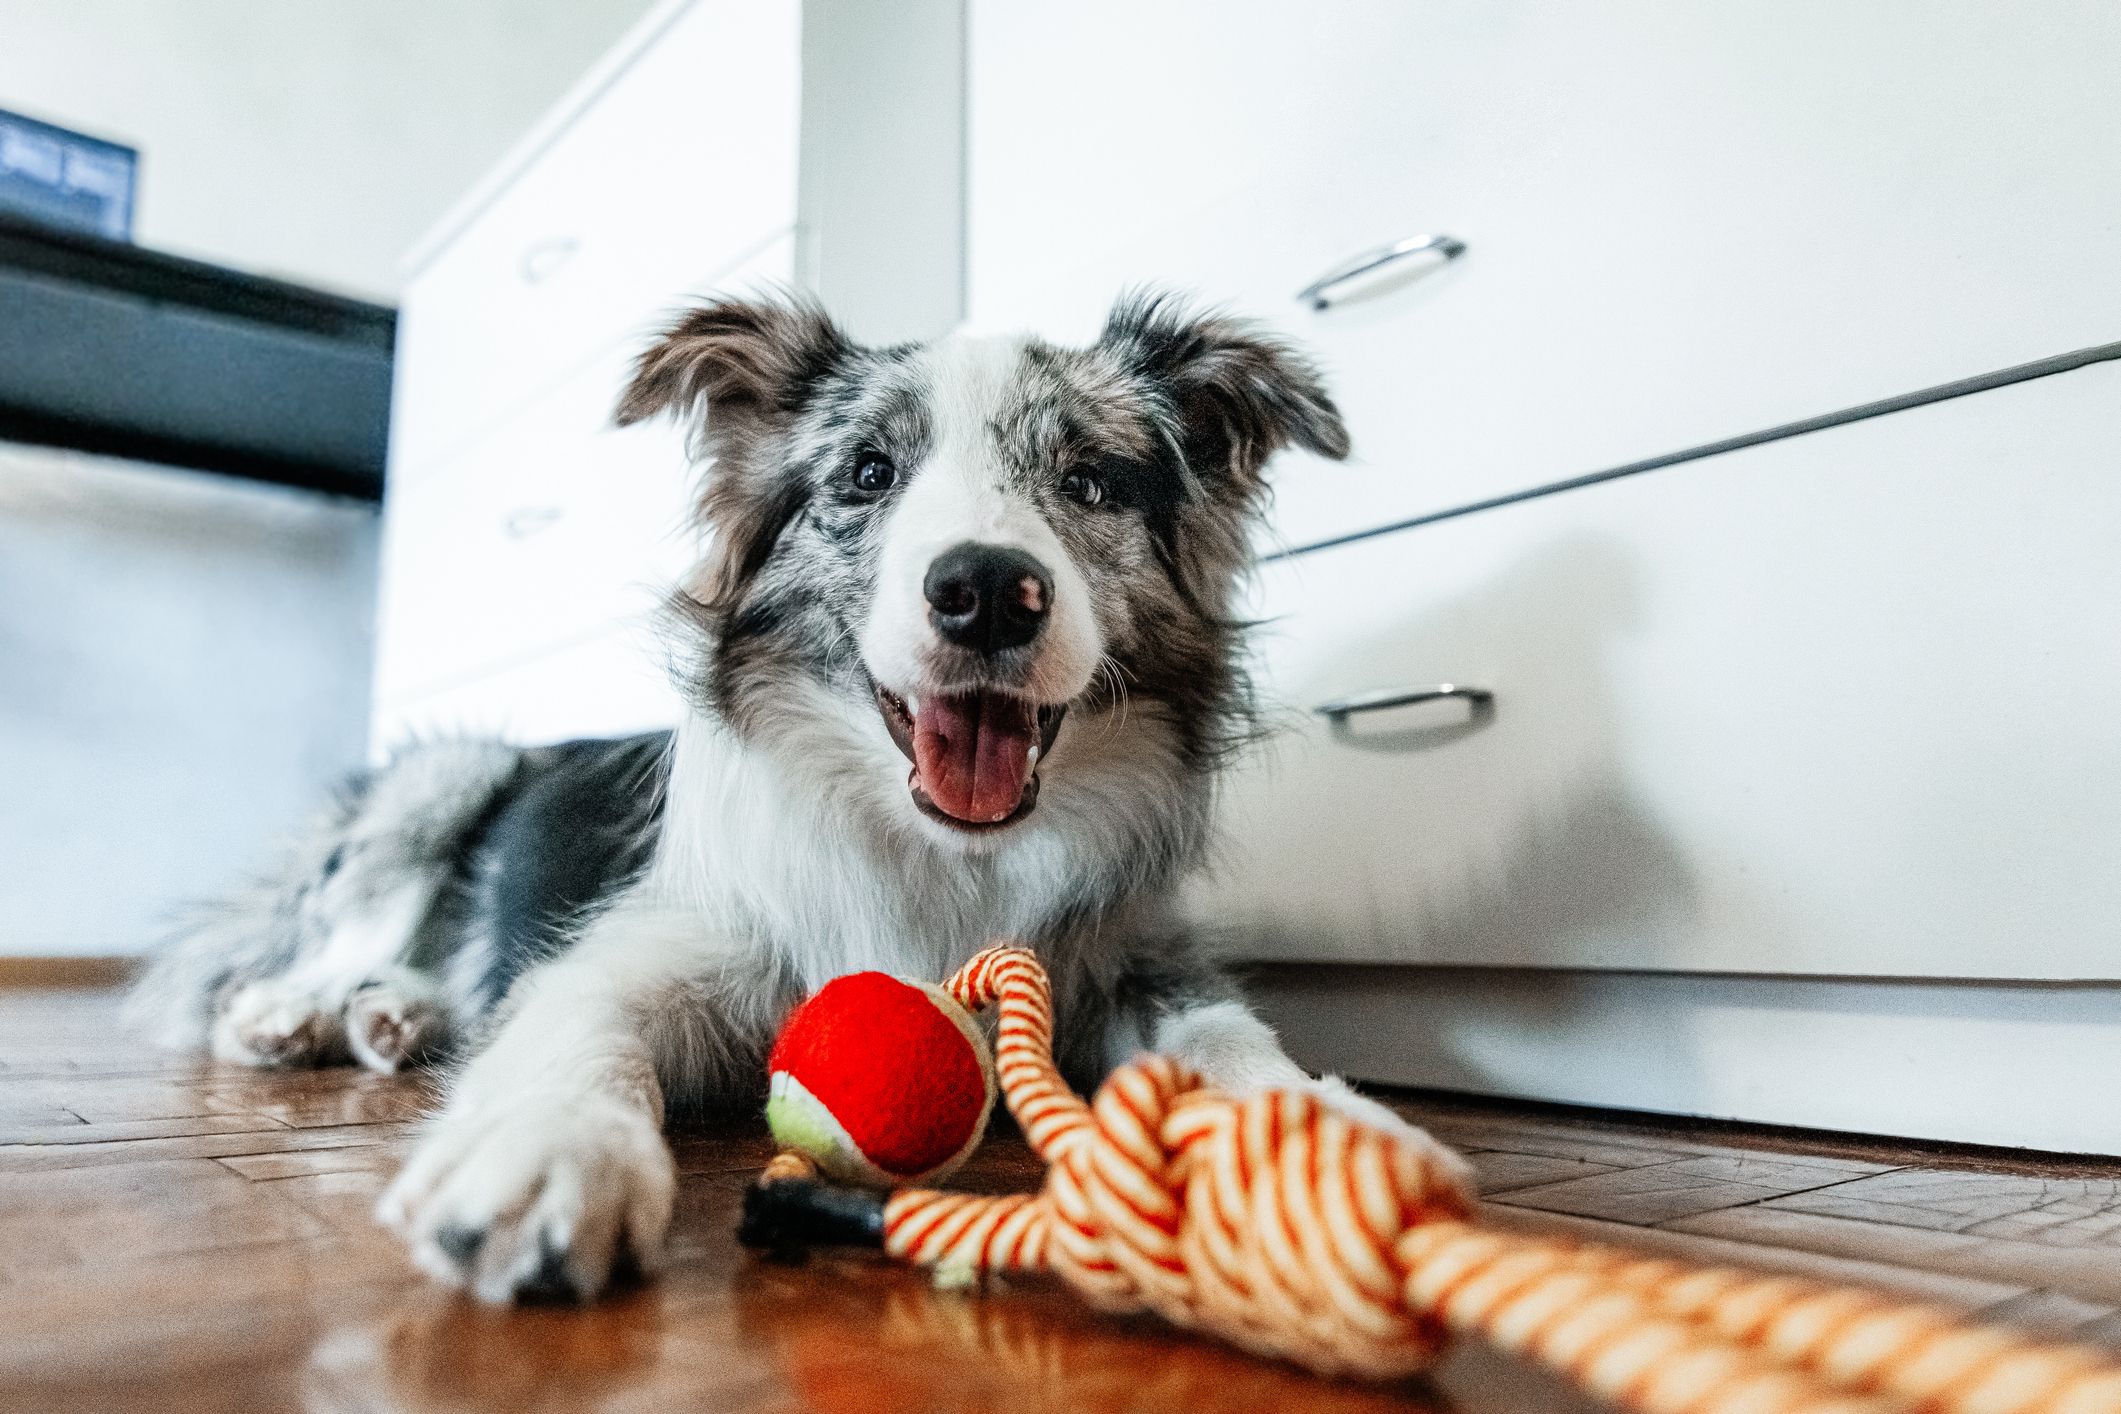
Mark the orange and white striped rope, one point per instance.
(1294, 1230)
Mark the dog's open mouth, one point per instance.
(975, 755)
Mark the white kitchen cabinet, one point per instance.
(1842, 704)
(613, 681)
(674, 165)
(1683, 222)
(527, 541)
(557, 523)
(722, 148)
(553, 523)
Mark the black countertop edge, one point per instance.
(114, 350)
(115, 266)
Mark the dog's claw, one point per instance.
(460, 1243)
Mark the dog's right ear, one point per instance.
(737, 361)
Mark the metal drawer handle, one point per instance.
(526, 521)
(1319, 293)
(543, 260)
(1342, 708)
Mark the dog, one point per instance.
(960, 664)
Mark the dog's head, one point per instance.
(999, 556)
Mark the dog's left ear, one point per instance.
(1239, 393)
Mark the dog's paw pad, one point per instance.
(387, 1029)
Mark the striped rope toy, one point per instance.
(1291, 1229)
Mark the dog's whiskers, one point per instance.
(1111, 670)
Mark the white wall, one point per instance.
(306, 139)
(184, 659)
(184, 667)
(881, 190)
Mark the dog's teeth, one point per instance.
(1033, 753)
(913, 705)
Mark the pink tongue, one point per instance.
(973, 755)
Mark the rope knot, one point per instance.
(1291, 1227)
(1271, 1219)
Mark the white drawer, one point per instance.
(552, 523)
(1684, 222)
(610, 683)
(681, 170)
(1842, 704)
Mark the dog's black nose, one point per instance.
(987, 597)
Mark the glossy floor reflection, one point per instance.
(178, 1236)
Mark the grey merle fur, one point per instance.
(1177, 412)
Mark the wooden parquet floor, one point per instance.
(181, 1236)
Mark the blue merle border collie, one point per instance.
(960, 666)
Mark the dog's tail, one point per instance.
(419, 810)
(253, 931)
(216, 946)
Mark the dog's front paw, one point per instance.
(276, 1023)
(535, 1201)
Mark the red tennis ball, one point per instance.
(880, 1081)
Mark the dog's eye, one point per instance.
(1084, 487)
(874, 474)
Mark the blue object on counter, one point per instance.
(66, 179)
